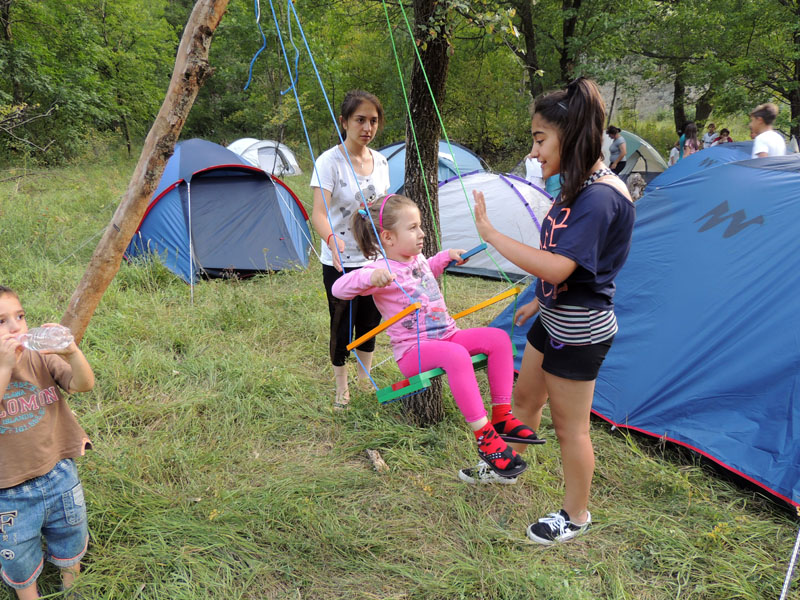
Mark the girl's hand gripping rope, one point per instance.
(381, 277)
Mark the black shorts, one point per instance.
(577, 363)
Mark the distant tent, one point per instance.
(703, 159)
(707, 353)
(515, 207)
(640, 157)
(241, 220)
(275, 158)
(465, 159)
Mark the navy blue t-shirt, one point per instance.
(595, 232)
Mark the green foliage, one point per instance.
(220, 471)
(92, 62)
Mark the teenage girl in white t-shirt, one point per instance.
(345, 177)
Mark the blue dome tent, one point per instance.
(704, 159)
(229, 216)
(708, 352)
(466, 160)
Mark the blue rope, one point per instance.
(290, 6)
(296, 53)
(264, 45)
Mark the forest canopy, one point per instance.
(76, 70)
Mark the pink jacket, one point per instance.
(418, 279)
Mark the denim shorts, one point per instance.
(50, 506)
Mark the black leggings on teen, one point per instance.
(365, 316)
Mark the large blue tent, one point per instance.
(704, 159)
(453, 159)
(213, 214)
(708, 352)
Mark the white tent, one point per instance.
(269, 155)
(515, 207)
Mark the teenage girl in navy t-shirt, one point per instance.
(584, 242)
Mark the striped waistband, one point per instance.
(578, 325)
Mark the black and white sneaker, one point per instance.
(482, 473)
(556, 527)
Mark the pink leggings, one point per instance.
(453, 355)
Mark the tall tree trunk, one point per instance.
(611, 105)
(190, 72)
(678, 101)
(426, 408)
(126, 132)
(11, 68)
(530, 57)
(570, 22)
(794, 94)
(703, 108)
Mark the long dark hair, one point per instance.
(690, 131)
(579, 113)
(352, 100)
(361, 227)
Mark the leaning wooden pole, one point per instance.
(191, 71)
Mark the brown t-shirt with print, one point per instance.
(37, 428)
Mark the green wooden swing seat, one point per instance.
(420, 381)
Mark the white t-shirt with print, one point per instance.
(332, 172)
(769, 141)
(709, 139)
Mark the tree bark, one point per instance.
(11, 71)
(611, 105)
(190, 72)
(530, 58)
(426, 408)
(794, 94)
(678, 101)
(570, 23)
(703, 108)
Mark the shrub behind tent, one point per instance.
(707, 353)
(463, 158)
(271, 156)
(229, 216)
(515, 206)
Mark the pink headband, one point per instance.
(380, 213)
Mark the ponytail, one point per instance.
(578, 112)
(382, 216)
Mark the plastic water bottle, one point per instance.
(47, 338)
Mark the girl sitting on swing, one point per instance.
(430, 338)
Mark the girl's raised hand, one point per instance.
(381, 278)
(485, 227)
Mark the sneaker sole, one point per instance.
(499, 480)
(515, 472)
(510, 439)
(545, 542)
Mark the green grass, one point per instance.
(220, 470)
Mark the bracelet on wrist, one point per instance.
(328, 239)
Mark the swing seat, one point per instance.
(420, 381)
